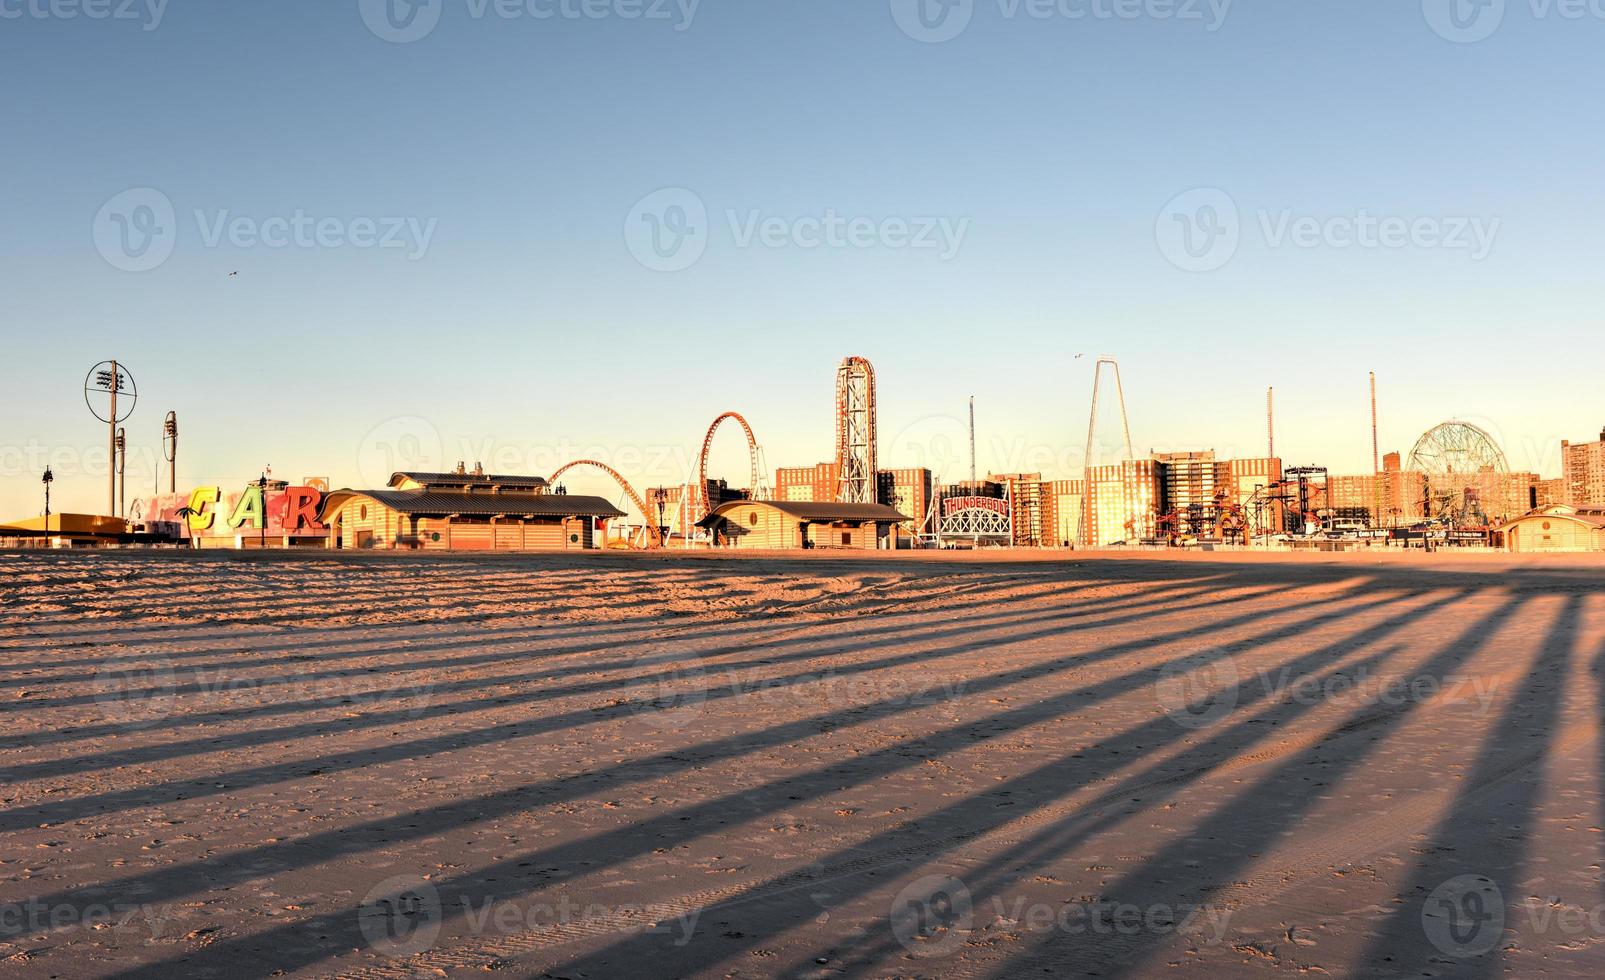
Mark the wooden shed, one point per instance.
(463, 512)
(782, 525)
(1558, 528)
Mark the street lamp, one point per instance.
(47, 480)
(262, 488)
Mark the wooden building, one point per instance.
(1558, 528)
(783, 525)
(464, 511)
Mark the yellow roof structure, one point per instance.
(69, 526)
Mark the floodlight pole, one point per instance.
(111, 474)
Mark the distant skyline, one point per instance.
(328, 233)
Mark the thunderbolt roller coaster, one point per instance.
(704, 505)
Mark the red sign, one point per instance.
(953, 505)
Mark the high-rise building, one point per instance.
(1188, 486)
(806, 483)
(1582, 471)
(1121, 502)
(909, 491)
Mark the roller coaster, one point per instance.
(653, 532)
(704, 506)
(701, 505)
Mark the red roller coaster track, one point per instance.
(704, 505)
(654, 533)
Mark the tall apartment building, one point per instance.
(1188, 484)
(806, 483)
(910, 491)
(1121, 502)
(1582, 471)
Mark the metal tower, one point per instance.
(855, 431)
(1092, 420)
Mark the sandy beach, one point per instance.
(613, 765)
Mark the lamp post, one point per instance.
(170, 450)
(120, 445)
(262, 487)
(47, 480)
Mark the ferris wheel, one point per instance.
(1456, 448)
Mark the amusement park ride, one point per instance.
(855, 460)
(654, 533)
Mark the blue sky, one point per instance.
(507, 154)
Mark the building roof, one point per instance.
(483, 480)
(816, 510)
(1591, 514)
(67, 526)
(435, 502)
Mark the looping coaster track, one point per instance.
(703, 504)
